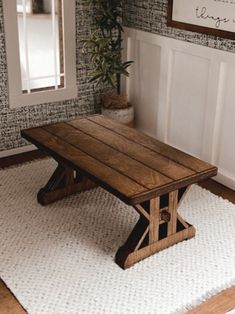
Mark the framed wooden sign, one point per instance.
(212, 17)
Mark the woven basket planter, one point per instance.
(124, 116)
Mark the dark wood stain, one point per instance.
(131, 165)
(21, 158)
(151, 143)
(64, 153)
(136, 151)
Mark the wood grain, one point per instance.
(115, 182)
(154, 216)
(108, 156)
(163, 227)
(134, 150)
(219, 304)
(147, 251)
(165, 150)
(173, 204)
(8, 303)
(21, 158)
(128, 163)
(62, 183)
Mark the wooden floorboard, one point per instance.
(8, 303)
(219, 189)
(21, 158)
(219, 304)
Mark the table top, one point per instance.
(130, 164)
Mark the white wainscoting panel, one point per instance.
(188, 102)
(224, 155)
(184, 95)
(147, 86)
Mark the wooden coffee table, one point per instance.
(143, 172)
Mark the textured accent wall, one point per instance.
(12, 121)
(151, 16)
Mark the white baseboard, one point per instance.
(226, 180)
(15, 151)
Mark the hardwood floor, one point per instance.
(219, 189)
(8, 303)
(20, 158)
(219, 304)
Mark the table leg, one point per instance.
(159, 227)
(63, 182)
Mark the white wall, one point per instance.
(184, 94)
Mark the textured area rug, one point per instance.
(59, 258)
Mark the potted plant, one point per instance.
(104, 50)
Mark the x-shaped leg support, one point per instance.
(158, 227)
(63, 182)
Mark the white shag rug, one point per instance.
(58, 259)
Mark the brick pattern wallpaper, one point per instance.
(151, 16)
(12, 121)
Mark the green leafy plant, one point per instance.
(104, 45)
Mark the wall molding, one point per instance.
(189, 102)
